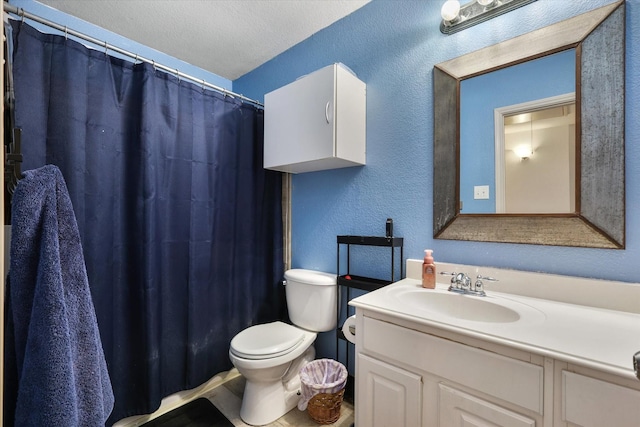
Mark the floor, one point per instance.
(227, 397)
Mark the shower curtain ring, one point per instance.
(106, 48)
(178, 75)
(21, 13)
(203, 85)
(66, 33)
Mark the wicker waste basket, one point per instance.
(322, 389)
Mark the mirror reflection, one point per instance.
(492, 178)
(537, 173)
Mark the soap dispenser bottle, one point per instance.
(428, 270)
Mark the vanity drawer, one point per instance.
(508, 379)
(590, 402)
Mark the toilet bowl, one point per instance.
(272, 383)
(270, 355)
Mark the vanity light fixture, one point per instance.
(456, 18)
(450, 11)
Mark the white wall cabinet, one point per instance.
(317, 122)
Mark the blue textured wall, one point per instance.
(393, 46)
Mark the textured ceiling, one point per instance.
(226, 37)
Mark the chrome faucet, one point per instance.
(461, 283)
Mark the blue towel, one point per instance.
(60, 375)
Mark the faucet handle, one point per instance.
(453, 277)
(479, 286)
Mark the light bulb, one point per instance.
(450, 10)
(485, 2)
(523, 151)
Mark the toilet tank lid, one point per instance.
(310, 277)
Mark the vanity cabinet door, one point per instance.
(387, 395)
(457, 408)
(590, 402)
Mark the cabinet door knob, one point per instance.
(326, 111)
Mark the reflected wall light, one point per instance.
(456, 18)
(524, 151)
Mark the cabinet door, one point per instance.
(387, 395)
(299, 120)
(590, 402)
(458, 408)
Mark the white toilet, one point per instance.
(270, 356)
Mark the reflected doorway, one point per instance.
(536, 156)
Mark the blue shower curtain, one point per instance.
(180, 224)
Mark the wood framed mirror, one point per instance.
(598, 38)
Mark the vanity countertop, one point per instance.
(600, 338)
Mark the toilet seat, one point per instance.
(266, 341)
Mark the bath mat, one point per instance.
(197, 413)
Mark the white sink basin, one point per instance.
(466, 307)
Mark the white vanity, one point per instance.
(553, 351)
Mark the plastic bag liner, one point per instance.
(321, 376)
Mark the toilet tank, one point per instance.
(312, 298)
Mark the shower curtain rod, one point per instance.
(23, 14)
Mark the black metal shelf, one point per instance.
(371, 241)
(368, 284)
(363, 283)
